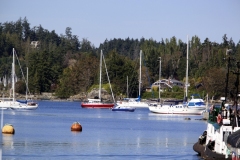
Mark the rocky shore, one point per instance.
(78, 97)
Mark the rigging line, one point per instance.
(108, 79)
(130, 88)
(132, 78)
(22, 73)
(147, 74)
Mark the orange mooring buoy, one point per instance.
(8, 129)
(76, 126)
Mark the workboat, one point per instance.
(221, 139)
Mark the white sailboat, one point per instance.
(121, 107)
(135, 102)
(195, 106)
(12, 103)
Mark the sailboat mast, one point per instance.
(13, 76)
(159, 88)
(140, 73)
(127, 86)
(100, 78)
(187, 72)
(27, 85)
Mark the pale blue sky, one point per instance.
(98, 20)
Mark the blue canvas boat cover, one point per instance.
(22, 101)
(234, 139)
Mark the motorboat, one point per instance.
(123, 107)
(175, 107)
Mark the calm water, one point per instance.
(45, 134)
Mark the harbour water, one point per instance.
(45, 134)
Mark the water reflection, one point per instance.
(7, 141)
(75, 133)
(185, 140)
(154, 116)
(166, 142)
(138, 142)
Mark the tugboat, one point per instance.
(221, 140)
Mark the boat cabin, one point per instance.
(94, 100)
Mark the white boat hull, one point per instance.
(18, 105)
(24, 107)
(133, 104)
(8, 104)
(177, 109)
(123, 108)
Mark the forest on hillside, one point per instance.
(67, 65)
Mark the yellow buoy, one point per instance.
(76, 126)
(8, 129)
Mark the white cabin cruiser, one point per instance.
(175, 107)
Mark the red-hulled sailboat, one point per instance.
(97, 103)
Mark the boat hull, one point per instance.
(97, 105)
(214, 155)
(25, 107)
(199, 148)
(169, 110)
(134, 104)
(18, 106)
(124, 109)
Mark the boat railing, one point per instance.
(224, 116)
(6, 99)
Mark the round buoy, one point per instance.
(8, 129)
(76, 126)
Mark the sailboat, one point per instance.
(12, 103)
(135, 102)
(97, 103)
(123, 107)
(195, 106)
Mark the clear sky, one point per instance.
(98, 20)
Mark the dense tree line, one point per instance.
(67, 66)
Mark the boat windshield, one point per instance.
(195, 103)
